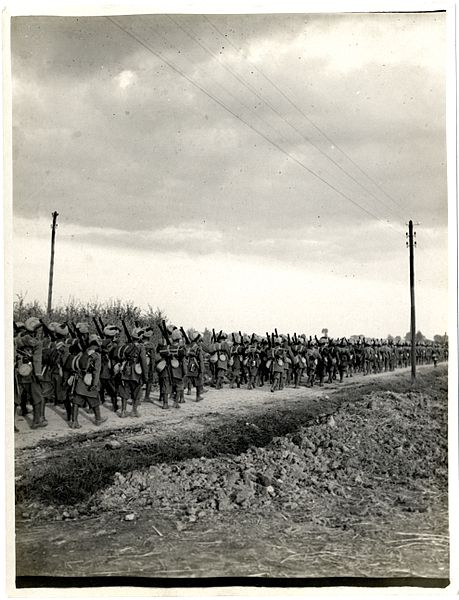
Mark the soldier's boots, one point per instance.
(99, 419)
(38, 420)
(123, 413)
(198, 393)
(74, 422)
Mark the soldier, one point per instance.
(150, 356)
(87, 365)
(53, 357)
(313, 357)
(263, 370)
(235, 361)
(29, 354)
(352, 353)
(343, 359)
(277, 365)
(322, 359)
(288, 360)
(133, 372)
(252, 365)
(223, 350)
(163, 368)
(108, 382)
(178, 368)
(435, 355)
(195, 366)
(368, 357)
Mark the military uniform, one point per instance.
(87, 366)
(150, 356)
(29, 355)
(195, 365)
(109, 383)
(133, 372)
(223, 351)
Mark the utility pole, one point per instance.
(411, 244)
(51, 264)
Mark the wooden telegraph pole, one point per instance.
(411, 245)
(51, 264)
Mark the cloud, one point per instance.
(137, 159)
(126, 79)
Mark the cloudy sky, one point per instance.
(242, 172)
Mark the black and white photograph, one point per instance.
(229, 320)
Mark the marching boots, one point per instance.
(182, 397)
(74, 422)
(115, 403)
(146, 398)
(135, 406)
(43, 421)
(123, 412)
(36, 416)
(99, 420)
(198, 393)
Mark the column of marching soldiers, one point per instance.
(65, 364)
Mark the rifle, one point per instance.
(126, 331)
(101, 323)
(288, 337)
(295, 338)
(219, 335)
(187, 340)
(272, 339)
(98, 329)
(275, 330)
(79, 336)
(214, 337)
(47, 331)
(268, 337)
(234, 341)
(165, 333)
(251, 339)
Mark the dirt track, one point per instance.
(316, 527)
(216, 404)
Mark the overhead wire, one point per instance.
(301, 112)
(237, 98)
(228, 109)
(251, 88)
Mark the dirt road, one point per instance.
(361, 494)
(215, 405)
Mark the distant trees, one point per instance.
(419, 337)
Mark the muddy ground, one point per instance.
(346, 480)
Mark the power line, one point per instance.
(273, 108)
(292, 103)
(248, 108)
(260, 133)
